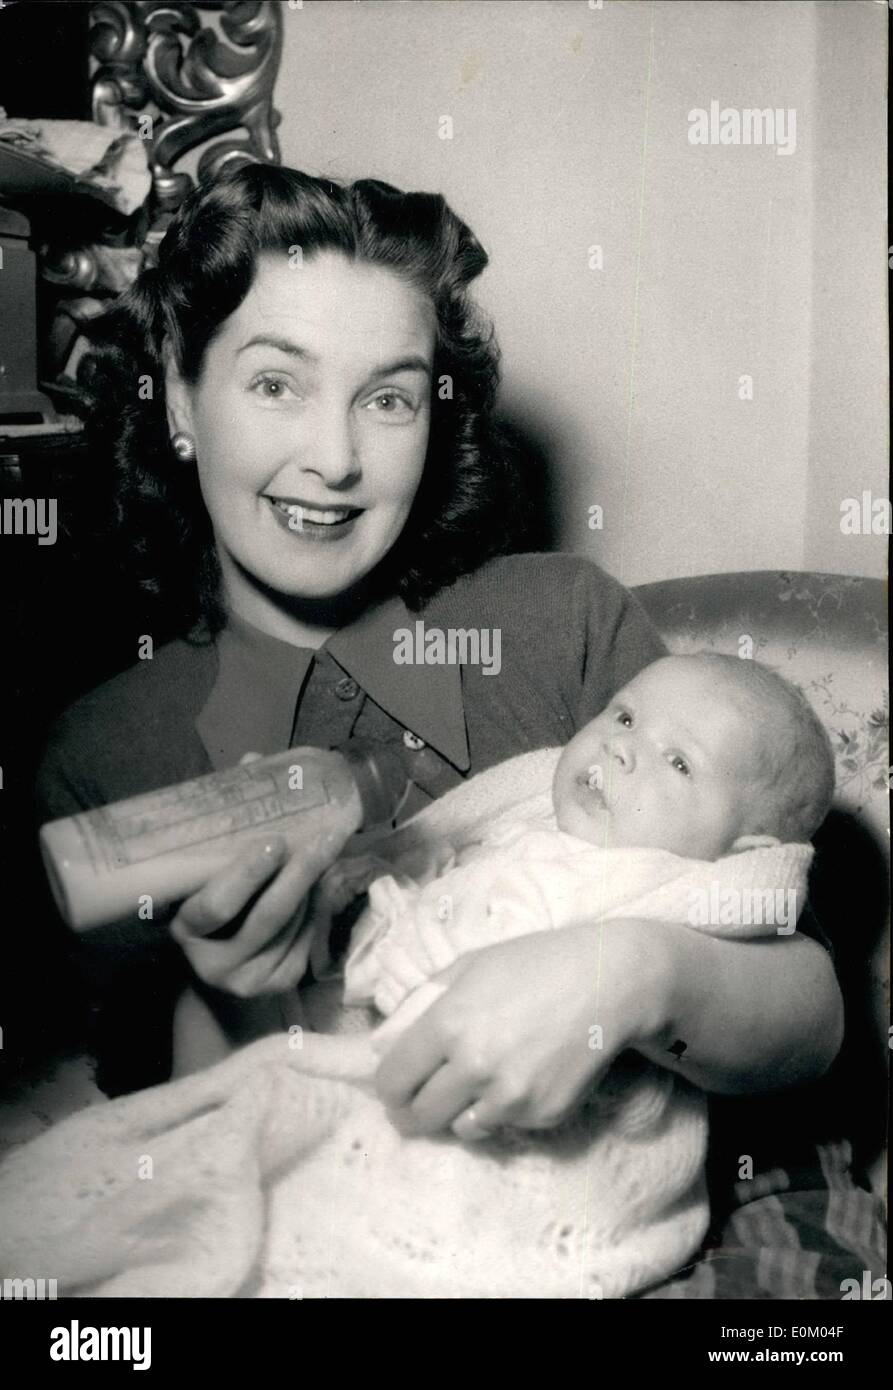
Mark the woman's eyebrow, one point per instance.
(282, 344)
(403, 364)
(410, 363)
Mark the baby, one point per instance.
(706, 775)
(698, 759)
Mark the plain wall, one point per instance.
(849, 406)
(570, 130)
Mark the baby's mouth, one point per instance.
(590, 792)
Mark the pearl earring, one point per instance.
(183, 446)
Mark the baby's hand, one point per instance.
(347, 879)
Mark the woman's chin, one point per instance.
(316, 576)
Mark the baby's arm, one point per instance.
(410, 932)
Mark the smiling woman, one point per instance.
(314, 463)
(310, 420)
(297, 400)
(300, 326)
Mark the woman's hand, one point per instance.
(525, 1027)
(242, 933)
(263, 951)
(523, 1030)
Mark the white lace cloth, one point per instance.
(277, 1173)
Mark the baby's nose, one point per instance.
(622, 752)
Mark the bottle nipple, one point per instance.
(381, 778)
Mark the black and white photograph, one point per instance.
(444, 725)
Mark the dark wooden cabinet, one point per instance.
(67, 622)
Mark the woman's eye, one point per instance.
(271, 388)
(389, 403)
(680, 765)
(625, 719)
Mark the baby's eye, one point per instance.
(680, 765)
(625, 718)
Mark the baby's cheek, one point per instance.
(593, 826)
(642, 819)
(563, 809)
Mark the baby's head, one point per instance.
(696, 755)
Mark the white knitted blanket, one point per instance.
(276, 1173)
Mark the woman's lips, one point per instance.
(317, 523)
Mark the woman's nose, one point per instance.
(335, 456)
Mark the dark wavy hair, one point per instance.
(467, 505)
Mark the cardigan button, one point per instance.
(347, 689)
(413, 741)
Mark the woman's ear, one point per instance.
(744, 842)
(177, 396)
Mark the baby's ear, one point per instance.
(744, 842)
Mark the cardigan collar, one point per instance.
(253, 704)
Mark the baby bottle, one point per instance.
(135, 856)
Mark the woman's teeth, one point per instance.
(297, 514)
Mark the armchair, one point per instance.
(827, 633)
